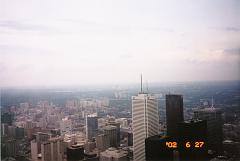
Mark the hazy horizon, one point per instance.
(76, 43)
(120, 86)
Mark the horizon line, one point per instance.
(111, 84)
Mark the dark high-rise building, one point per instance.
(11, 147)
(75, 152)
(192, 140)
(213, 116)
(19, 132)
(111, 131)
(156, 148)
(6, 118)
(91, 126)
(113, 123)
(130, 138)
(174, 112)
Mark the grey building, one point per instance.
(213, 116)
(116, 124)
(91, 126)
(174, 113)
(102, 142)
(111, 132)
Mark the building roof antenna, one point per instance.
(212, 103)
(147, 85)
(141, 84)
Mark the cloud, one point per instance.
(232, 29)
(227, 29)
(15, 50)
(24, 26)
(126, 56)
(232, 51)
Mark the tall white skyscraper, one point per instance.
(145, 122)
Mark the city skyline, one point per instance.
(57, 43)
(114, 125)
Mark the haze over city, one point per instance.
(45, 43)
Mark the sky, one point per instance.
(54, 43)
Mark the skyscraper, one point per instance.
(156, 149)
(52, 149)
(174, 112)
(36, 144)
(102, 142)
(11, 147)
(46, 151)
(111, 132)
(214, 126)
(113, 123)
(65, 126)
(91, 126)
(75, 152)
(7, 118)
(193, 140)
(145, 122)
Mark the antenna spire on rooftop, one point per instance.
(212, 103)
(141, 83)
(147, 85)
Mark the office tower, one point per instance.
(213, 116)
(75, 152)
(4, 129)
(40, 138)
(113, 123)
(145, 122)
(29, 124)
(192, 140)
(36, 144)
(174, 113)
(11, 148)
(113, 154)
(232, 148)
(6, 118)
(65, 126)
(46, 151)
(111, 131)
(52, 150)
(157, 150)
(89, 147)
(19, 132)
(34, 150)
(91, 126)
(130, 138)
(11, 131)
(102, 142)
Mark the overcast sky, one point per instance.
(94, 42)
